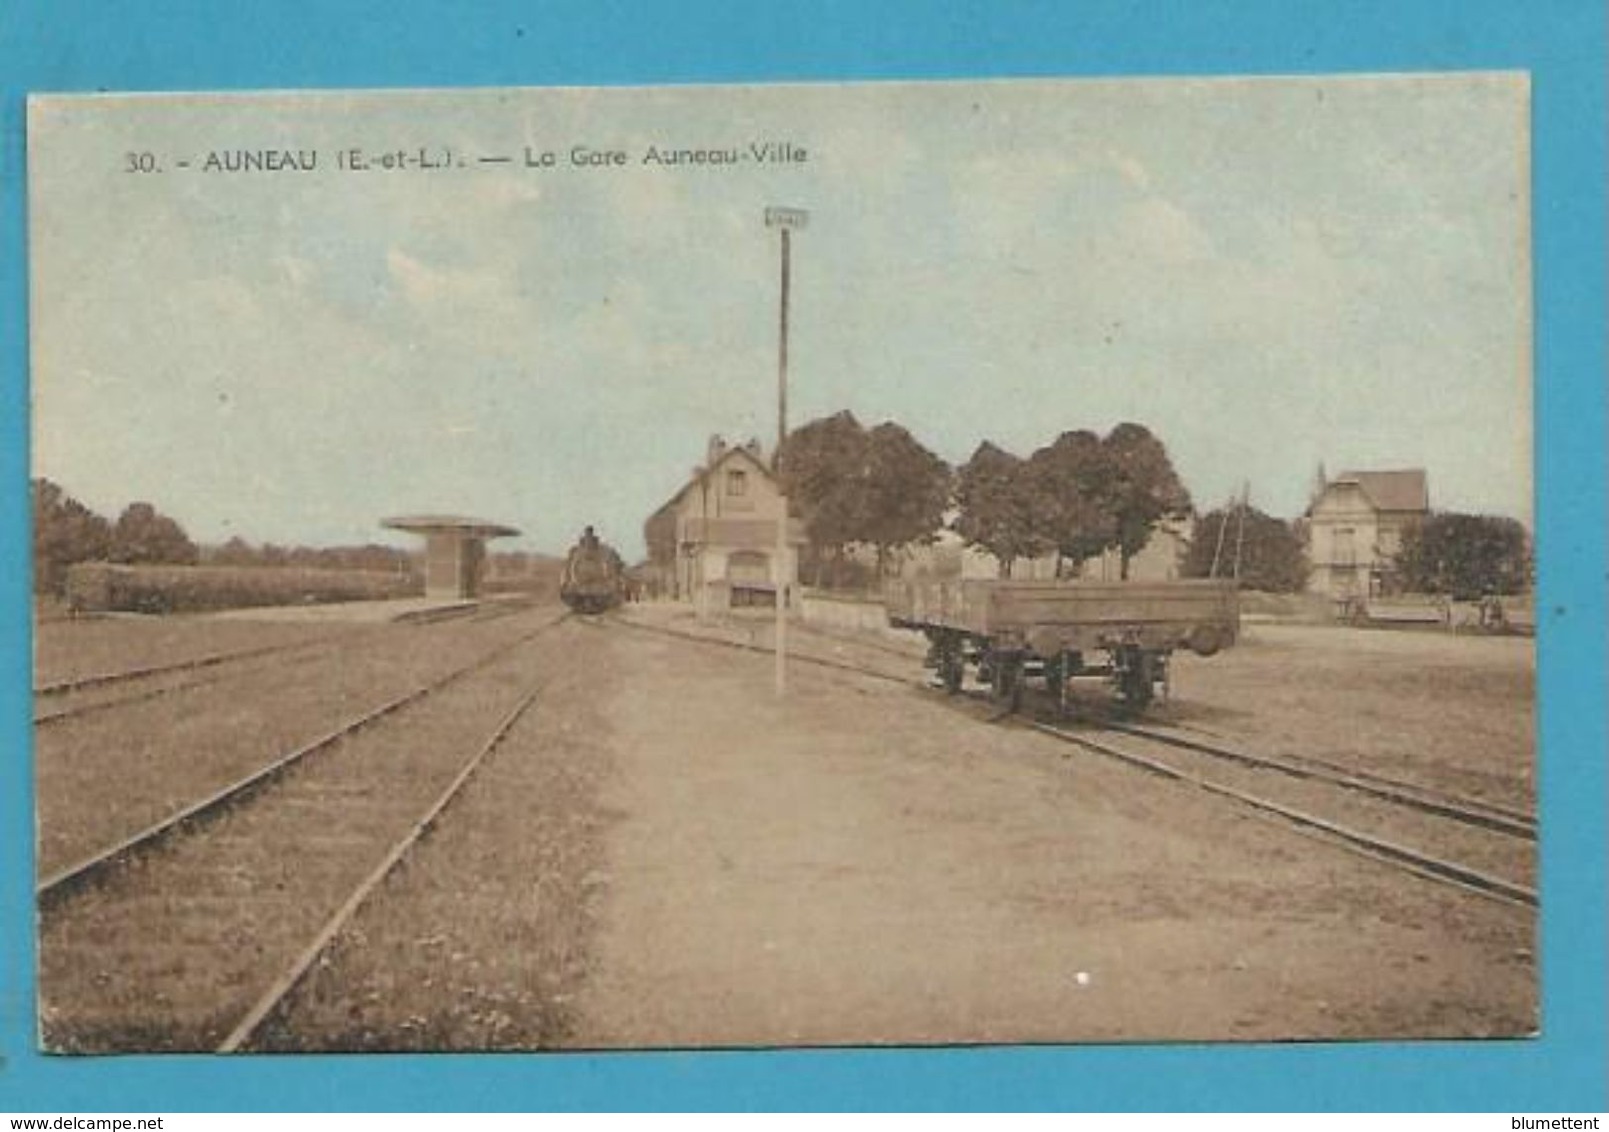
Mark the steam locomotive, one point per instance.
(594, 577)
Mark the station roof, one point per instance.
(456, 524)
(704, 471)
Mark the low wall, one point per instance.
(1408, 611)
(96, 587)
(1493, 615)
(838, 612)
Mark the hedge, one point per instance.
(94, 587)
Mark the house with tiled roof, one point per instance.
(1355, 527)
(714, 542)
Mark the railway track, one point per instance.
(1505, 849)
(1413, 795)
(63, 881)
(209, 675)
(146, 677)
(168, 878)
(77, 711)
(262, 994)
(272, 1000)
(1479, 846)
(192, 664)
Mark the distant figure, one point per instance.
(589, 540)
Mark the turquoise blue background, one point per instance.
(209, 44)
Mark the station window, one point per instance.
(737, 483)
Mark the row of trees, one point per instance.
(1077, 497)
(879, 487)
(65, 531)
(1465, 556)
(1448, 553)
(371, 557)
(1081, 496)
(1263, 552)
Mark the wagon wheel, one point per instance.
(952, 668)
(1056, 674)
(947, 660)
(1008, 681)
(1059, 678)
(1138, 678)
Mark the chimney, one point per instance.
(717, 449)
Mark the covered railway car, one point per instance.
(1123, 631)
(594, 577)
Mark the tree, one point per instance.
(824, 469)
(236, 552)
(905, 492)
(1465, 556)
(1139, 487)
(143, 534)
(879, 487)
(1067, 481)
(995, 494)
(64, 532)
(1271, 556)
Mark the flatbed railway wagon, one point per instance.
(1125, 632)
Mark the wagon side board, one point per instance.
(1050, 617)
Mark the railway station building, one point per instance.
(1355, 527)
(714, 542)
(455, 551)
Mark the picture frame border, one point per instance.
(78, 45)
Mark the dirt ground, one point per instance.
(668, 854)
(1453, 711)
(856, 863)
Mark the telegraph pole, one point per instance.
(1240, 526)
(785, 220)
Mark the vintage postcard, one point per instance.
(911, 564)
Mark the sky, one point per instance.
(1268, 273)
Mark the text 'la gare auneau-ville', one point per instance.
(360, 159)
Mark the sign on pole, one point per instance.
(786, 217)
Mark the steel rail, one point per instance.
(1421, 864)
(122, 701)
(101, 679)
(1470, 811)
(55, 887)
(484, 611)
(293, 974)
(1496, 819)
(63, 882)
